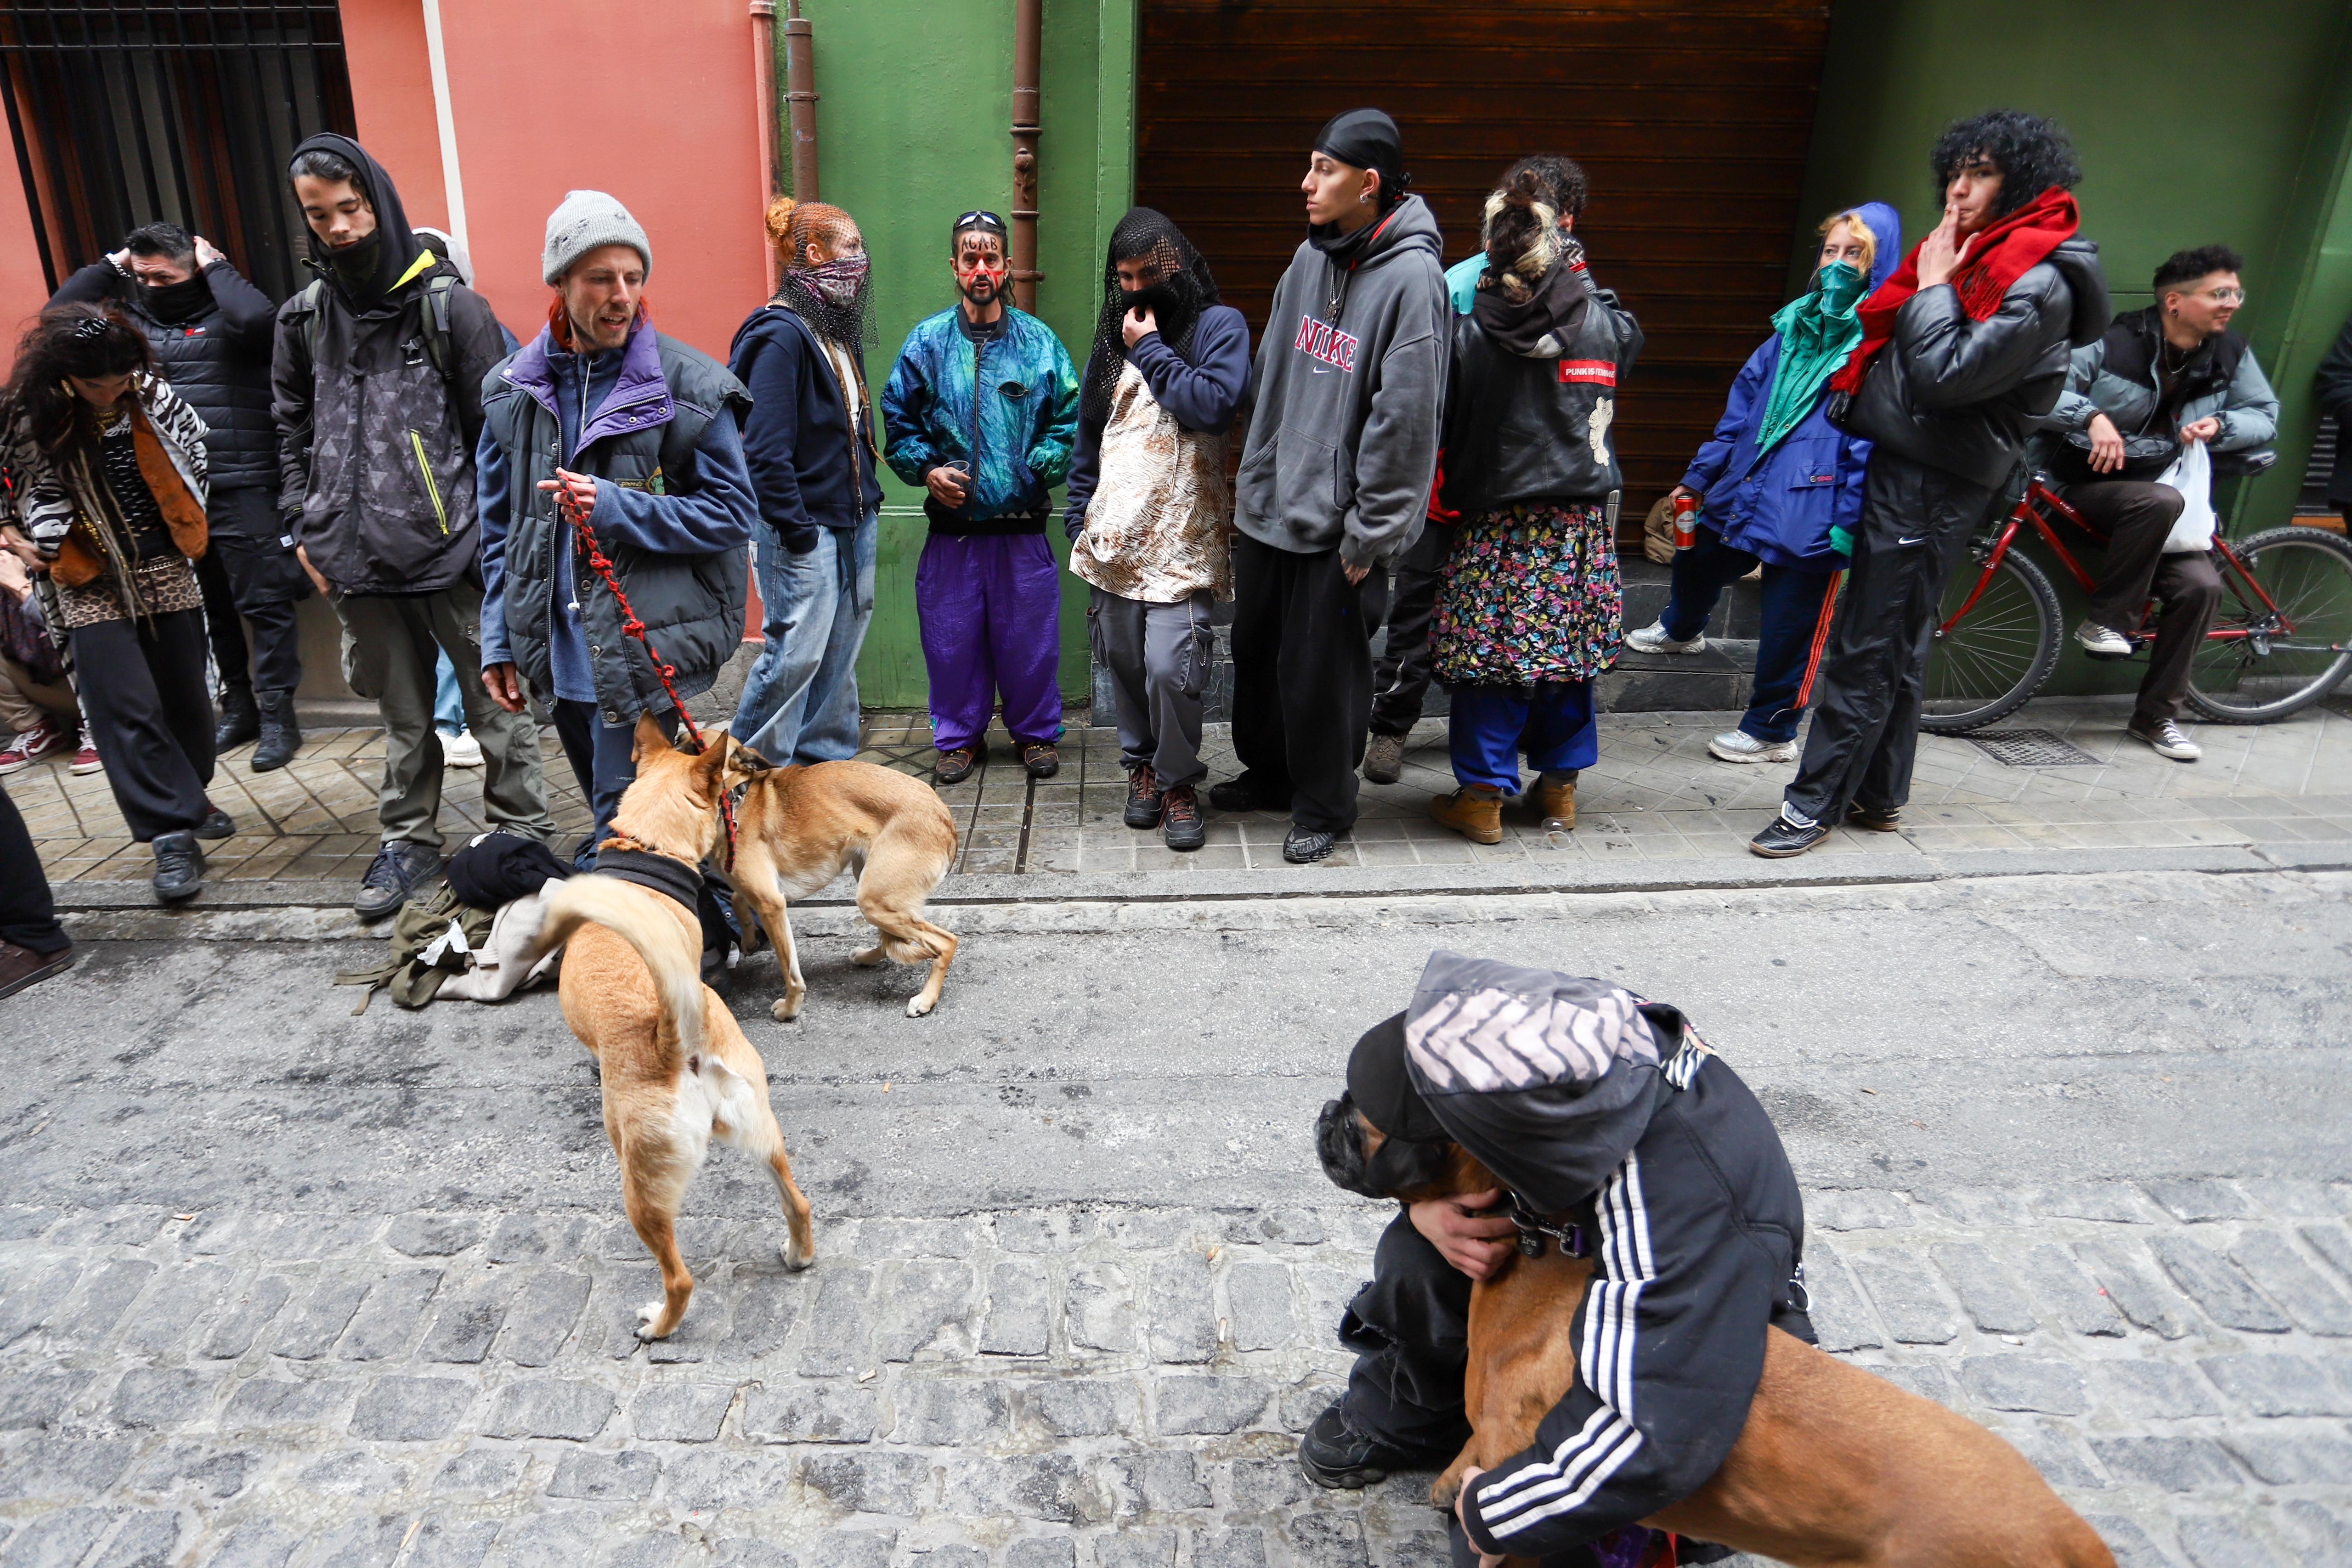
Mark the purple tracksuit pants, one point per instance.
(991, 608)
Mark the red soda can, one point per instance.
(1686, 521)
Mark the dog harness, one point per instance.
(665, 875)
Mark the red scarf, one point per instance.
(2003, 253)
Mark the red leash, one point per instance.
(567, 501)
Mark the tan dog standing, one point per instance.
(677, 1069)
(798, 828)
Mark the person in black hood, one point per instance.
(377, 393)
(1350, 386)
(1964, 352)
(1613, 1129)
(211, 331)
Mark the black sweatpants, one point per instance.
(1696, 1243)
(142, 697)
(28, 916)
(2136, 519)
(1400, 680)
(1302, 679)
(1866, 699)
(250, 571)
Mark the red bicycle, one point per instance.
(2280, 640)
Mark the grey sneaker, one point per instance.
(1384, 760)
(1652, 639)
(2103, 641)
(1739, 746)
(2166, 739)
(398, 869)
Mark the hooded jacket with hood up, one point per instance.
(1779, 506)
(1964, 396)
(1349, 388)
(375, 442)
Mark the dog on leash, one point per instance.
(677, 1069)
(798, 827)
(1834, 1467)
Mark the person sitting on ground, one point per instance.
(1530, 605)
(2170, 374)
(982, 410)
(1151, 517)
(109, 501)
(1588, 1103)
(642, 431)
(1779, 485)
(36, 704)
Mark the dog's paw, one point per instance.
(868, 958)
(917, 1007)
(1444, 1490)
(794, 1258)
(786, 1009)
(648, 1317)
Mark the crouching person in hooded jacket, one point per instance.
(1587, 1103)
(648, 433)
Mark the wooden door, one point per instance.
(1691, 120)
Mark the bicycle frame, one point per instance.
(2029, 512)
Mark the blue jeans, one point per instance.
(604, 757)
(800, 704)
(1488, 728)
(1797, 607)
(448, 706)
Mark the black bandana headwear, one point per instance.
(1185, 289)
(1362, 139)
(1415, 1143)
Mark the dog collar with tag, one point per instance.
(1534, 1229)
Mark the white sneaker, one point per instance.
(1652, 639)
(2166, 739)
(461, 749)
(2103, 641)
(1739, 746)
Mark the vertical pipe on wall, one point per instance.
(763, 103)
(445, 122)
(800, 60)
(1028, 25)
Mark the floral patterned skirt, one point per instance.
(1530, 593)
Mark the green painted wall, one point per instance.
(2194, 126)
(914, 115)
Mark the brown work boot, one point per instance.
(955, 765)
(1144, 798)
(1555, 800)
(1040, 759)
(1475, 810)
(1384, 759)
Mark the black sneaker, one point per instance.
(217, 824)
(1871, 820)
(1040, 758)
(1144, 799)
(1334, 1454)
(1782, 838)
(1234, 795)
(396, 873)
(1305, 846)
(955, 766)
(1181, 826)
(179, 867)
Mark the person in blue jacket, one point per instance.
(1779, 484)
(982, 411)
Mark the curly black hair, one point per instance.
(1562, 179)
(2188, 266)
(2032, 153)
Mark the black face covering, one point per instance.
(1185, 288)
(364, 273)
(172, 303)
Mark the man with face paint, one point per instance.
(982, 411)
(211, 331)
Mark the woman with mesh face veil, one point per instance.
(809, 440)
(1151, 516)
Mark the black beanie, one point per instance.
(1383, 1090)
(1368, 138)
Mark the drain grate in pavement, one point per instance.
(2030, 748)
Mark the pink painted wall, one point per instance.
(22, 287)
(392, 99)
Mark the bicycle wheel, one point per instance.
(2258, 664)
(1985, 665)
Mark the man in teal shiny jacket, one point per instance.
(988, 592)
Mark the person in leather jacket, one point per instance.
(1965, 350)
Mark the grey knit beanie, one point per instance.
(588, 219)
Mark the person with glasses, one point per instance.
(2160, 378)
(982, 411)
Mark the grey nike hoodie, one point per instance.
(1348, 391)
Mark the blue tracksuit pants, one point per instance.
(1490, 727)
(1797, 607)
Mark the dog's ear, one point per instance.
(744, 764)
(710, 766)
(650, 740)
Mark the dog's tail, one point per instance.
(670, 956)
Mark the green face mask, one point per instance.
(1841, 284)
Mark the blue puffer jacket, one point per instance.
(1022, 428)
(1781, 505)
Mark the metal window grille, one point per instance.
(127, 111)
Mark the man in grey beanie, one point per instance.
(644, 431)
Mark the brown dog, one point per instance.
(677, 1069)
(798, 827)
(1834, 1468)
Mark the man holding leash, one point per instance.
(651, 456)
(1588, 1103)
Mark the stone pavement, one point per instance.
(1051, 1387)
(1655, 798)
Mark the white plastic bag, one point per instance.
(2192, 474)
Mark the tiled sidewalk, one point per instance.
(1655, 796)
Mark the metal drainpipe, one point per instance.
(1027, 39)
(800, 61)
(763, 97)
